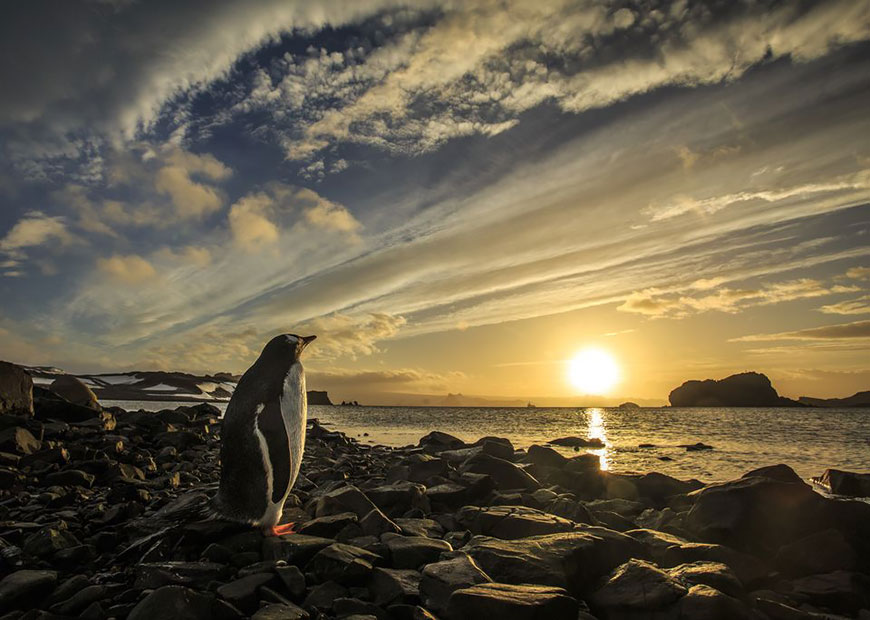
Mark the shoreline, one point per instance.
(444, 529)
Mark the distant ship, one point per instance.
(529, 405)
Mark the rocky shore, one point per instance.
(97, 521)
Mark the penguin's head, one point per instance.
(286, 348)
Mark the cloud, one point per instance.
(858, 273)
(249, 222)
(861, 305)
(130, 269)
(405, 379)
(708, 206)
(859, 330)
(330, 216)
(351, 336)
(34, 229)
(657, 303)
(193, 255)
(149, 187)
(479, 65)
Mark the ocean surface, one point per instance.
(808, 440)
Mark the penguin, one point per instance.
(263, 437)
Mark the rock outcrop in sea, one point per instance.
(97, 521)
(747, 389)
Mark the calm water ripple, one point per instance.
(809, 440)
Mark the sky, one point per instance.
(454, 196)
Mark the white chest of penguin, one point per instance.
(294, 410)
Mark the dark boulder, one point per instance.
(24, 588)
(578, 442)
(822, 552)
(841, 482)
(756, 514)
(16, 390)
(390, 585)
(436, 441)
(511, 522)
(574, 560)
(441, 579)
(344, 564)
(182, 604)
(713, 574)
(506, 475)
(414, 551)
(518, 602)
(637, 586)
(75, 391)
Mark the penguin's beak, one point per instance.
(306, 340)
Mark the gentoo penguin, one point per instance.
(263, 436)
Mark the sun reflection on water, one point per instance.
(598, 430)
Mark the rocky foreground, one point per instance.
(95, 522)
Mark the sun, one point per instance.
(593, 371)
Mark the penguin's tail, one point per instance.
(171, 521)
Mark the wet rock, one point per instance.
(324, 596)
(613, 521)
(376, 523)
(747, 568)
(653, 488)
(844, 592)
(389, 585)
(505, 474)
(70, 477)
(16, 390)
(293, 580)
(295, 548)
(518, 602)
(713, 574)
(695, 447)
(24, 588)
(706, 603)
(573, 560)
(182, 603)
(48, 541)
(638, 585)
(441, 579)
(577, 442)
(152, 575)
(841, 482)
(348, 607)
(623, 507)
(18, 440)
(545, 457)
(243, 593)
(414, 551)
(822, 552)
(343, 564)
(448, 495)
(511, 522)
(780, 472)
(344, 499)
(180, 440)
(437, 441)
(420, 527)
(571, 509)
(79, 601)
(755, 514)
(498, 447)
(422, 467)
(396, 499)
(281, 611)
(75, 391)
(328, 526)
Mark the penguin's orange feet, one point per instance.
(280, 530)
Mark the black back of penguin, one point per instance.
(243, 493)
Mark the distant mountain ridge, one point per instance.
(859, 399)
(158, 385)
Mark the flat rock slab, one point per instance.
(638, 585)
(518, 602)
(414, 551)
(511, 522)
(441, 579)
(573, 560)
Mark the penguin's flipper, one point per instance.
(271, 425)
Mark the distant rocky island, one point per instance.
(750, 389)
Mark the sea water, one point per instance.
(808, 440)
